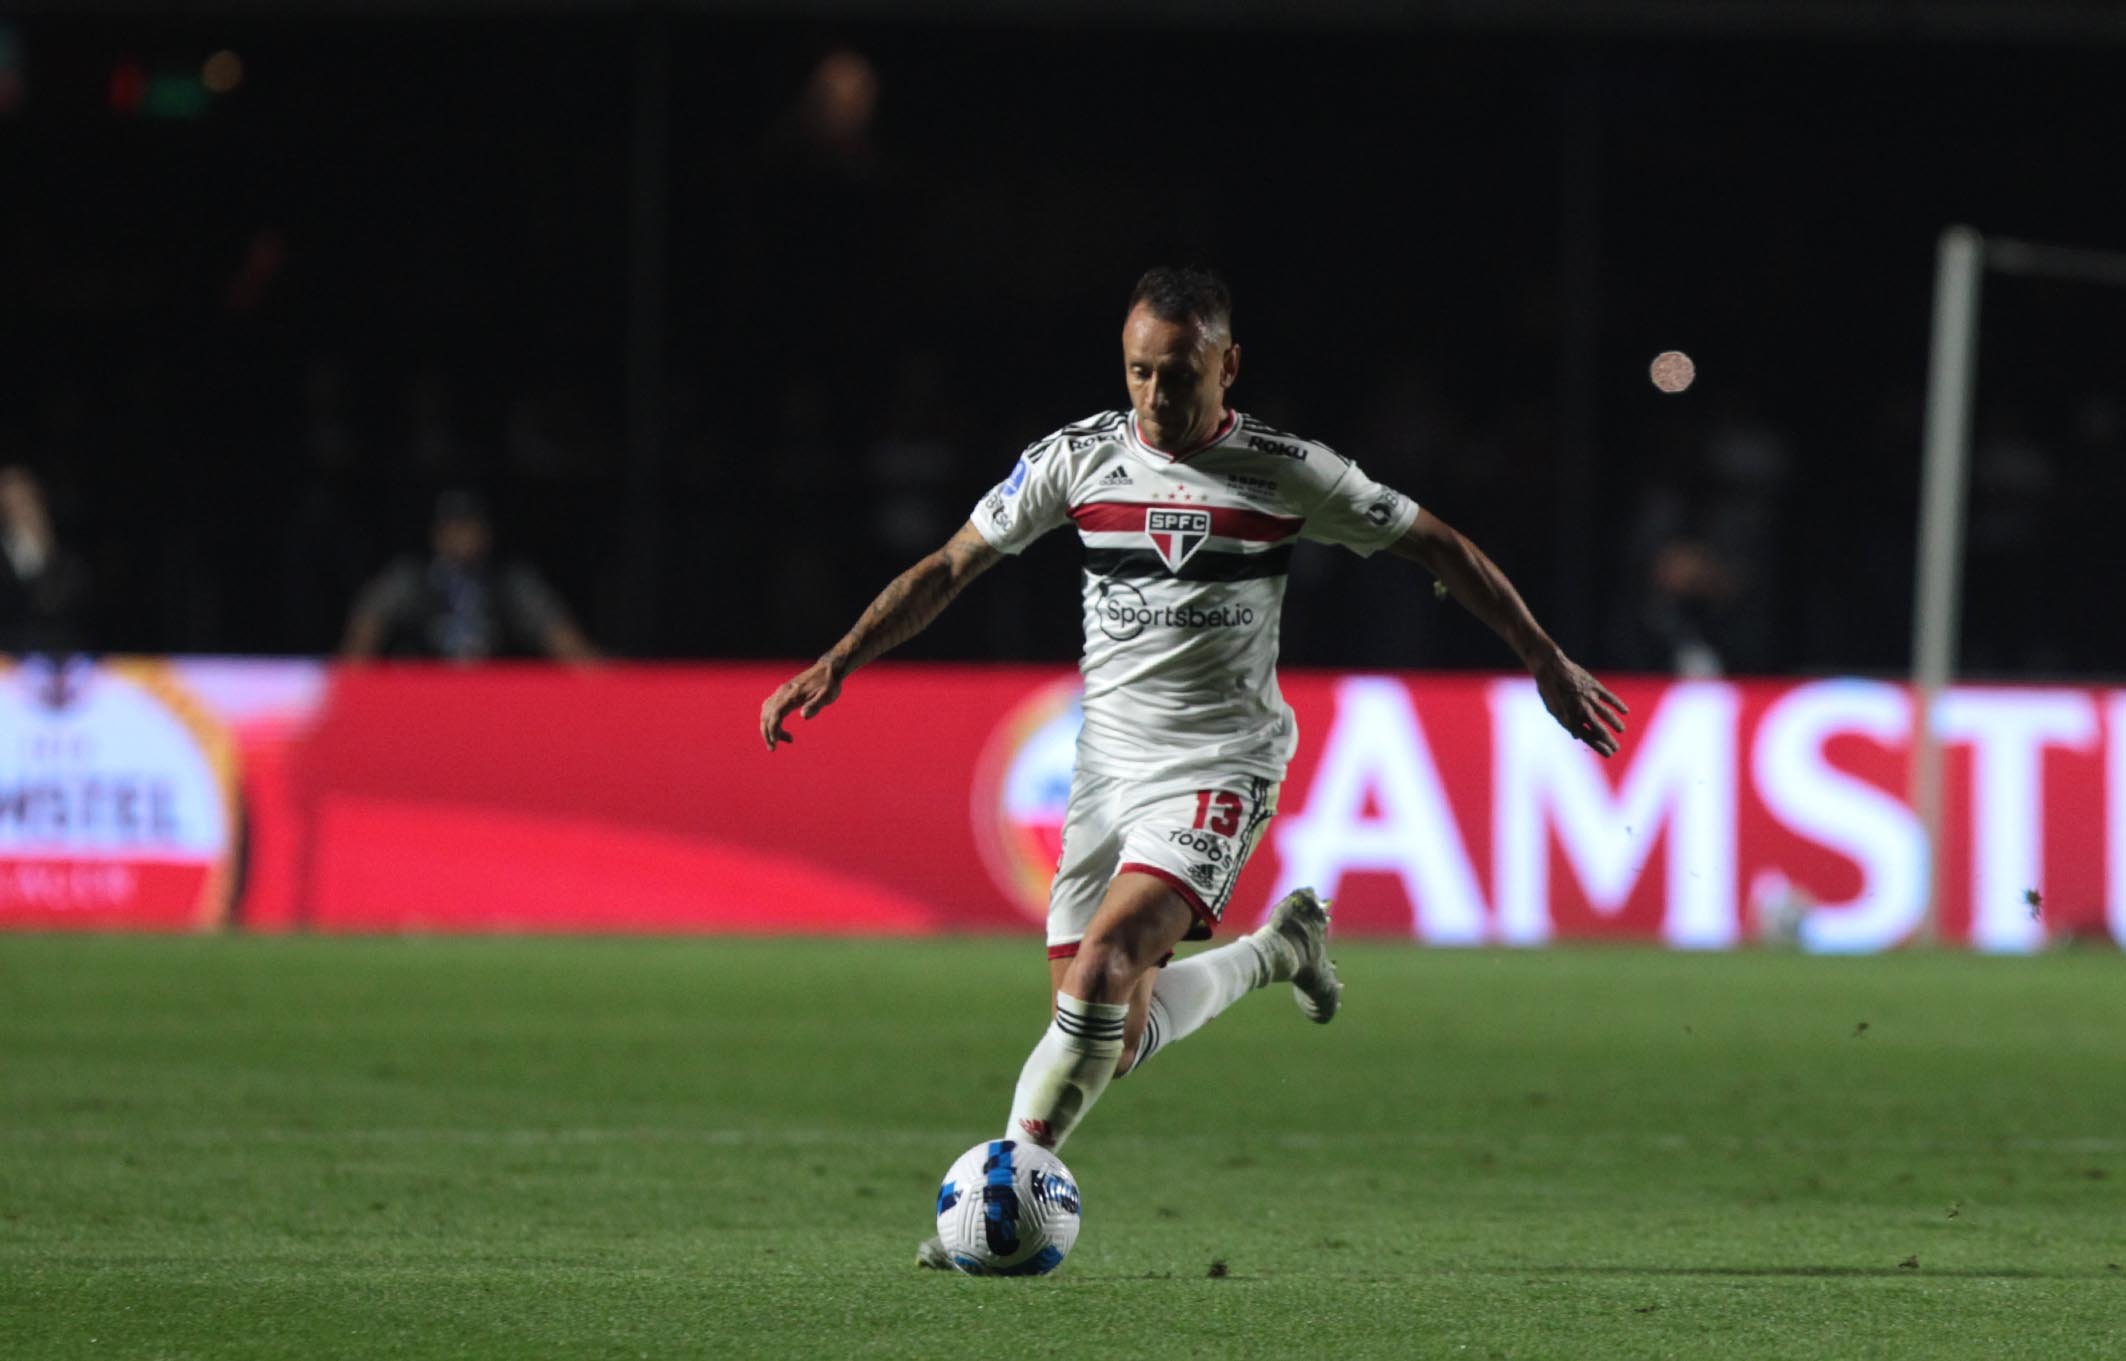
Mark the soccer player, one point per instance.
(1189, 511)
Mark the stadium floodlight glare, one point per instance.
(1945, 474)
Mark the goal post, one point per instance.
(1944, 478)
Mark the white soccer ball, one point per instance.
(1008, 1208)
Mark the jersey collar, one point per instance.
(1225, 428)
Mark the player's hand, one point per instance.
(807, 692)
(1581, 704)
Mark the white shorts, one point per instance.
(1196, 834)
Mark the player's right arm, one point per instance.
(904, 609)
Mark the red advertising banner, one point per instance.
(291, 796)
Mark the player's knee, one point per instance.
(1104, 971)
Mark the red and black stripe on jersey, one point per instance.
(1212, 562)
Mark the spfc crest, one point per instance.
(1177, 534)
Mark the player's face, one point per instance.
(1177, 376)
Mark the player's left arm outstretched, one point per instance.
(904, 609)
(1582, 705)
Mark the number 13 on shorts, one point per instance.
(1219, 810)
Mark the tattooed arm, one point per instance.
(901, 611)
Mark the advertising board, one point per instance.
(282, 796)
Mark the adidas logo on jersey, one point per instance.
(1116, 476)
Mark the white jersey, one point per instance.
(1185, 563)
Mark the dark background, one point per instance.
(723, 364)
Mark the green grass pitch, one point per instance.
(240, 1148)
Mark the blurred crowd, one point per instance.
(405, 520)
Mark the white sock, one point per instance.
(1067, 1070)
(1189, 992)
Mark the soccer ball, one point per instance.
(1008, 1208)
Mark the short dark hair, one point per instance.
(1185, 294)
